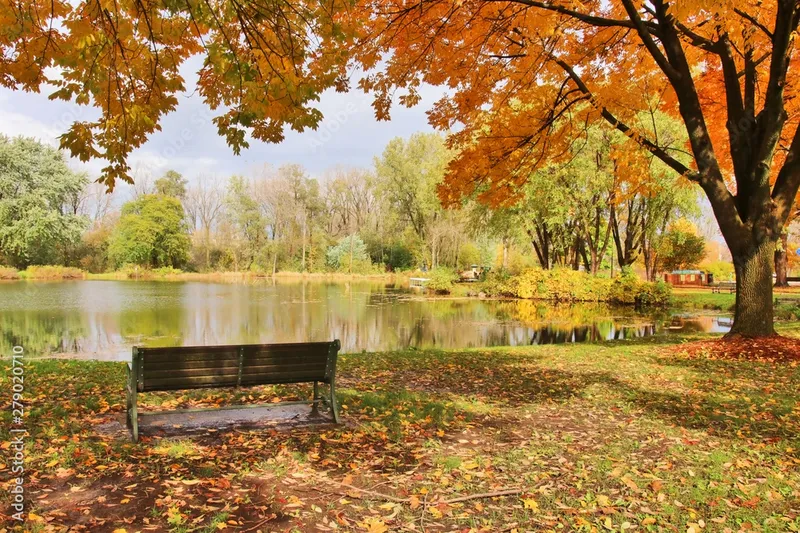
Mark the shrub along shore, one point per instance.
(559, 285)
(566, 285)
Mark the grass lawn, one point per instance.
(787, 301)
(593, 437)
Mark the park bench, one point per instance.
(729, 286)
(198, 367)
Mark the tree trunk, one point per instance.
(303, 261)
(754, 312)
(208, 251)
(650, 260)
(350, 267)
(782, 262)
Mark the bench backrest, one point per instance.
(194, 367)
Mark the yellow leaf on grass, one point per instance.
(221, 525)
(120, 530)
(35, 517)
(414, 501)
(648, 521)
(603, 501)
(530, 503)
(190, 481)
(630, 483)
(52, 463)
(375, 525)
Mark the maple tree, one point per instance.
(264, 65)
(526, 76)
(525, 79)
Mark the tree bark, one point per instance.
(782, 262)
(303, 261)
(754, 313)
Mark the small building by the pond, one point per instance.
(688, 278)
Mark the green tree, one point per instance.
(680, 248)
(350, 254)
(38, 220)
(408, 173)
(172, 184)
(248, 222)
(151, 232)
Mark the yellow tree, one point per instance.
(522, 71)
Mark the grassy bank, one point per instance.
(594, 437)
(46, 272)
(787, 301)
(177, 275)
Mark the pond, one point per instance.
(104, 319)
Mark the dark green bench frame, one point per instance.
(729, 286)
(197, 367)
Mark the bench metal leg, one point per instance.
(314, 407)
(134, 423)
(132, 413)
(334, 402)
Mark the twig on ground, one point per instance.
(387, 497)
(258, 525)
(507, 492)
(422, 514)
(379, 495)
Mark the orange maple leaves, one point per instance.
(263, 66)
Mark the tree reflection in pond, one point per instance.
(103, 319)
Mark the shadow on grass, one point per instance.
(505, 377)
(738, 400)
(736, 419)
(431, 389)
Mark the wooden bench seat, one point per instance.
(198, 367)
(727, 286)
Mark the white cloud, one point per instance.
(14, 124)
(188, 141)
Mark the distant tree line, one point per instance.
(580, 213)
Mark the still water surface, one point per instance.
(104, 319)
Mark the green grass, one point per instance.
(602, 437)
(44, 272)
(787, 304)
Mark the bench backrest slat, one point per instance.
(191, 367)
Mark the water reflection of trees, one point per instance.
(42, 333)
(364, 316)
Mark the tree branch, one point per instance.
(654, 149)
(648, 41)
(788, 181)
(754, 21)
(594, 20)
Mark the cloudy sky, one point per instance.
(188, 143)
